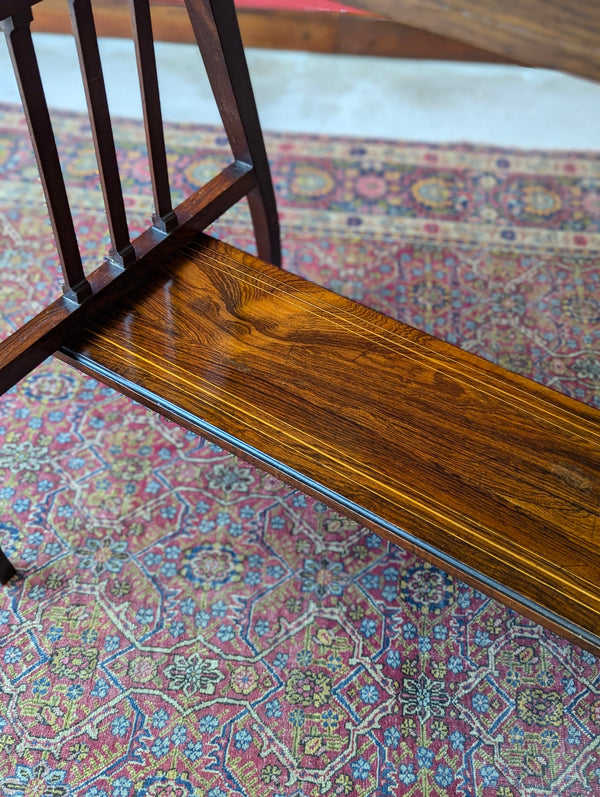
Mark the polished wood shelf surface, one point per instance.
(490, 475)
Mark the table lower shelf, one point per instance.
(488, 474)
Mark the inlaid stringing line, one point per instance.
(336, 456)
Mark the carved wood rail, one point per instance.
(486, 473)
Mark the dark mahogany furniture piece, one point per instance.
(491, 476)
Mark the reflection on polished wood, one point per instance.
(488, 474)
(558, 34)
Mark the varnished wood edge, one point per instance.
(551, 620)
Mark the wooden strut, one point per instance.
(215, 27)
(20, 45)
(84, 30)
(164, 218)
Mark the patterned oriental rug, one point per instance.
(187, 625)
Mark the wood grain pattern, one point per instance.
(487, 473)
(558, 34)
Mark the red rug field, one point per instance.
(186, 625)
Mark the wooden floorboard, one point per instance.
(488, 474)
(557, 34)
(316, 31)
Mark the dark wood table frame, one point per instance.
(490, 475)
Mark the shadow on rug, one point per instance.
(187, 625)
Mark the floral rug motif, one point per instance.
(186, 625)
